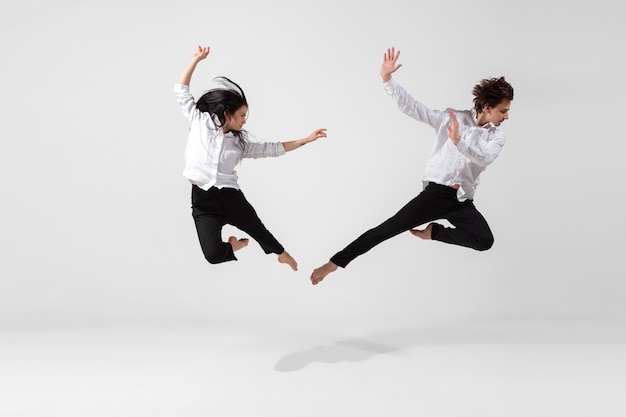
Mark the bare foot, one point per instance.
(238, 243)
(425, 234)
(320, 273)
(285, 258)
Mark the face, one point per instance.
(496, 115)
(235, 121)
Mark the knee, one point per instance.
(212, 257)
(215, 256)
(483, 243)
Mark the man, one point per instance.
(471, 140)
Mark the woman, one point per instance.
(216, 144)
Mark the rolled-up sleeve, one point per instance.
(263, 150)
(485, 152)
(185, 101)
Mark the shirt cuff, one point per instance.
(180, 87)
(390, 85)
(461, 146)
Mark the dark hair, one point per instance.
(227, 99)
(491, 91)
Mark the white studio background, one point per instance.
(95, 218)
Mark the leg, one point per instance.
(207, 215)
(470, 228)
(209, 230)
(242, 215)
(427, 206)
(430, 204)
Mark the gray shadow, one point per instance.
(364, 348)
(350, 350)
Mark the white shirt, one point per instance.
(451, 164)
(210, 155)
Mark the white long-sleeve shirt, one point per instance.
(211, 156)
(451, 164)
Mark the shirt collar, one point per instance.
(489, 126)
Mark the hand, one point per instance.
(319, 133)
(389, 64)
(201, 53)
(453, 128)
(295, 144)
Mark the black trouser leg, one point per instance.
(432, 203)
(243, 216)
(470, 228)
(213, 209)
(207, 212)
(209, 230)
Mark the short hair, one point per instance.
(491, 91)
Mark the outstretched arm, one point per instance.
(295, 144)
(390, 64)
(200, 54)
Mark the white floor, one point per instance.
(263, 369)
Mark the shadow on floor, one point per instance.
(351, 350)
(364, 348)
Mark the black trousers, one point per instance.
(213, 209)
(434, 202)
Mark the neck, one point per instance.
(481, 119)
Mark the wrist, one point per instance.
(386, 77)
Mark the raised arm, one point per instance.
(200, 54)
(390, 64)
(295, 144)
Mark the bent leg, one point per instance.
(470, 228)
(209, 230)
(243, 216)
(427, 206)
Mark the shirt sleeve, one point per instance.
(411, 107)
(185, 100)
(187, 104)
(263, 150)
(481, 152)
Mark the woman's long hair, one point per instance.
(226, 99)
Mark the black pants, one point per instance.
(213, 209)
(434, 202)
